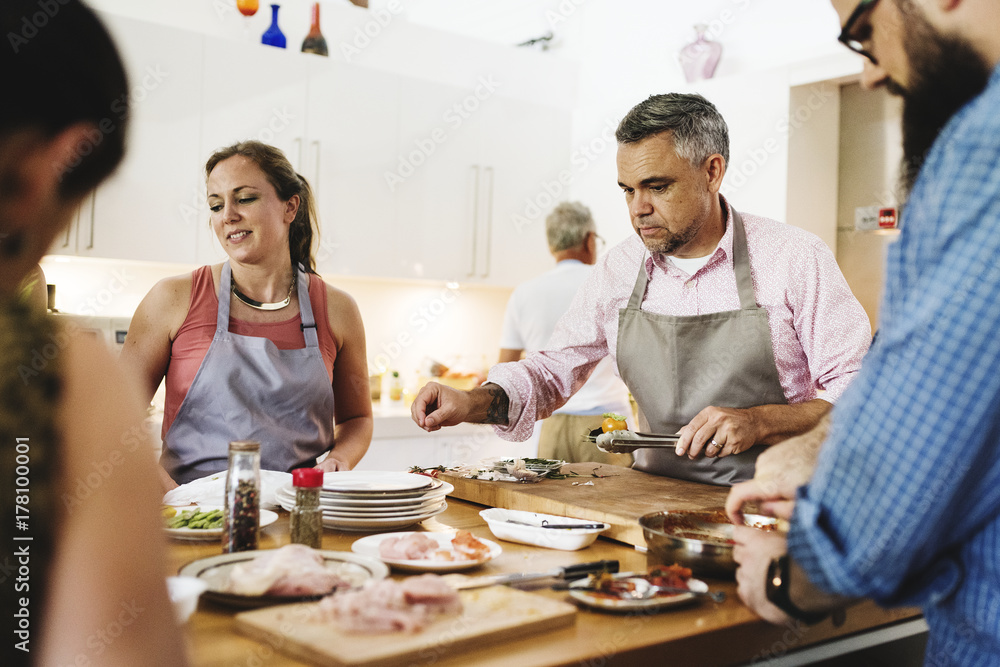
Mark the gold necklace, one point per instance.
(260, 305)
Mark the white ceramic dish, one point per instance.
(354, 524)
(607, 603)
(287, 502)
(214, 571)
(371, 481)
(386, 513)
(267, 517)
(564, 539)
(369, 546)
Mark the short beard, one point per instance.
(672, 243)
(946, 73)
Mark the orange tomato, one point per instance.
(614, 423)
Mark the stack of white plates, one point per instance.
(372, 501)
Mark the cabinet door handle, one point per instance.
(315, 181)
(75, 223)
(298, 144)
(474, 182)
(93, 206)
(487, 246)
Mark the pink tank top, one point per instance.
(195, 336)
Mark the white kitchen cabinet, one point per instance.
(351, 140)
(471, 164)
(251, 91)
(526, 147)
(139, 213)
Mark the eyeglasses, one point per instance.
(853, 42)
(600, 241)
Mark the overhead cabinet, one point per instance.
(412, 178)
(143, 211)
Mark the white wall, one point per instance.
(404, 322)
(870, 154)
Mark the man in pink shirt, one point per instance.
(723, 326)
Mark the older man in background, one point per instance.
(904, 503)
(532, 313)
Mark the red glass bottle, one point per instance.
(314, 41)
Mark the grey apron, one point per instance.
(676, 366)
(248, 389)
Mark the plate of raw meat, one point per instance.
(428, 552)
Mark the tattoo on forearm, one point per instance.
(499, 406)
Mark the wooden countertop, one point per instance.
(703, 634)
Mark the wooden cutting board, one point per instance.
(619, 497)
(490, 616)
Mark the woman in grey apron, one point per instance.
(677, 365)
(248, 389)
(254, 382)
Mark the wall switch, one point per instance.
(869, 218)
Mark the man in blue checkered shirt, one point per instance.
(903, 503)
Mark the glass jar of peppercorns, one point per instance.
(241, 517)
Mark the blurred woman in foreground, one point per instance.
(81, 543)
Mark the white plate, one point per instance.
(368, 481)
(215, 570)
(605, 603)
(286, 498)
(267, 517)
(375, 525)
(564, 539)
(384, 514)
(369, 546)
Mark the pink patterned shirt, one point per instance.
(819, 331)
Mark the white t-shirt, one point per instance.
(691, 266)
(532, 313)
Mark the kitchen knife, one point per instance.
(562, 573)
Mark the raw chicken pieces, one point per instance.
(389, 606)
(292, 570)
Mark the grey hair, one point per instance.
(697, 127)
(568, 225)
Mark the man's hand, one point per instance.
(437, 405)
(719, 432)
(781, 470)
(754, 551)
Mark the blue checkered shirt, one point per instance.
(904, 505)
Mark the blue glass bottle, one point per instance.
(273, 35)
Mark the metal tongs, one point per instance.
(631, 440)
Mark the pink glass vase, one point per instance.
(700, 58)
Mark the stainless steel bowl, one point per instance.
(697, 540)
